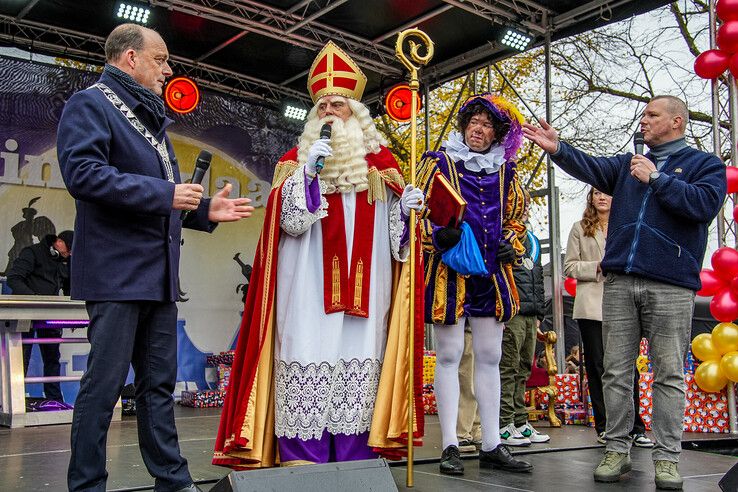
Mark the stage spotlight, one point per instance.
(182, 95)
(295, 112)
(398, 102)
(516, 39)
(133, 13)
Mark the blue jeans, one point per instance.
(635, 307)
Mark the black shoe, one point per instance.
(501, 458)
(451, 462)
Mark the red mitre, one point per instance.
(334, 73)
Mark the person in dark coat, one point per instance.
(519, 344)
(118, 163)
(42, 269)
(662, 205)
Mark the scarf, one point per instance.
(151, 101)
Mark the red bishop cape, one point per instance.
(246, 433)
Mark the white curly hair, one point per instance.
(351, 140)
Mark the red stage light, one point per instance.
(182, 95)
(398, 101)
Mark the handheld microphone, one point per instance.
(638, 142)
(325, 134)
(201, 167)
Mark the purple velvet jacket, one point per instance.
(495, 205)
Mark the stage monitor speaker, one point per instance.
(356, 476)
(729, 482)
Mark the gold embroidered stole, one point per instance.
(346, 288)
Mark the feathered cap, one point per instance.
(505, 111)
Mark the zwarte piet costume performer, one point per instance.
(320, 366)
(479, 163)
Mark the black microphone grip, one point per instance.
(325, 134)
(201, 167)
(638, 143)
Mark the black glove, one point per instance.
(447, 237)
(506, 253)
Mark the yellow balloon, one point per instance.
(725, 337)
(729, 366)
(704, 349)
(709, 377)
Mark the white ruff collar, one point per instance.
(489, 163)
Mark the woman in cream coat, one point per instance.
(584, 252)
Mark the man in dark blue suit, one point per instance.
(120, 167)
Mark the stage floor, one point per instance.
(35, 459)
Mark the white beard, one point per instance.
(346, 169)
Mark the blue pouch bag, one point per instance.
(465, 257)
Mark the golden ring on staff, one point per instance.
(412, 61)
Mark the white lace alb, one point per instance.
(316, 397)
(295, 218)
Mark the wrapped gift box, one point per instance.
(567, 386)
(645, 382)
(572, 413)
(429, 367)
(202, 399)
(689, 363)
(590, 412)
(222, 358)
(643, 356)
(429, 400)
(224, 376)
(643, 350)
(705, 412)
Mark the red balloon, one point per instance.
(734, 286)
(727, 36)
(711, 283)
(711, 64)
(731, 174)
(735, 213)
(570, 285)
(727, 10)
(724, 306)
(725, 263)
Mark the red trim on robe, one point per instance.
(259, 307)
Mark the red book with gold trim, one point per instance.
(445, 205)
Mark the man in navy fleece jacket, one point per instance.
(663, 203)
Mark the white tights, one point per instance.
(487, 346)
